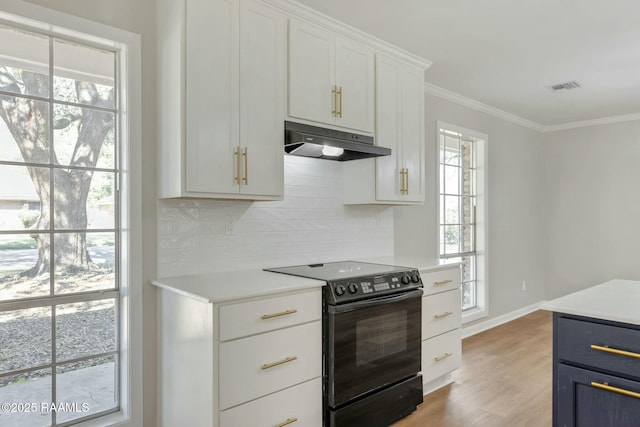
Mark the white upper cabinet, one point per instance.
(398, 178)
(223, 108)
(331, 78)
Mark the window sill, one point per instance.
(474, 314)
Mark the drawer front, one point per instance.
(302, 403)
(254, 317)
(590, 399)
(441, 355)
(440, 313)
(595, 345)
(253, 367)
(440, 280)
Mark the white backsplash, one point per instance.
(310, 225)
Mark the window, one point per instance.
(66, 226)
(461, 214)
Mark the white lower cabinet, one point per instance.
(252, 362)
(300, 406)
(441, 322)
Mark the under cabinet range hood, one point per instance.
(330, 144)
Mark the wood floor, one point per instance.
(504, 381)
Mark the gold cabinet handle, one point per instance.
(607, 349)
(406, 177)
(445, 314)
(282, 313)
(402, 181)
(443, 282)
(444, 356)
(287, 422)
(334, 101)
(278, 363)
(245, 154)
(340, 94)
(237, 154)
(607, 387)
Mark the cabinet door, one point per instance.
(355, 80)
(262, 99)
(581, 403)
(212, 121)
(311, 72)
(388, 119)
(412, 131)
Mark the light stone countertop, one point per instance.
(616, 300)
(234, 285)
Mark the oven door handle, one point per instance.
(374, 301)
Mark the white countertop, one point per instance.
(615, 300)
(234, 285)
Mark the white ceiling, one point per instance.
(507, 53)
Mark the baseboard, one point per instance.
(436, 384)
(476, 328)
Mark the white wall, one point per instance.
(137, 16)
(516, 198)
(310, 225)
(592, 228)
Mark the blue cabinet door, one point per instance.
(580, 403)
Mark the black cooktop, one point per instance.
(330, 271)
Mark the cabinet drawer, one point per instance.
(440, 313)
(253, 367)
(441, 355)
(440, 280)
(576, 337)
(302, 403)
(254, 317)
(592, 399)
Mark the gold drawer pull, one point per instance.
(445, 314)
(245, 154)
(278, 363)
(334, 103)
(444, 356)
(443, 282)
(282, 313)
(607, 387)
(286, 423)
(606, 349)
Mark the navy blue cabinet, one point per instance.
(596, 373)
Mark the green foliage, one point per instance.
(29, 218)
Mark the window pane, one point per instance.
(469, 295)
(467, 239)
(24, 266)
(83, 136)
(468, 154)
(442, 242)
(85, 329)
(26, 338)
(451, 150)
(452, 210)
(468, 268)
(468, 209)
(20, 202)
(89, 386)
(98, 211)
(84, 262)
(24, 130)
(31, 387)
(451, 180)
(24, 62)
(451, 239)
(83, 74)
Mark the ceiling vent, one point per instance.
(566, 85)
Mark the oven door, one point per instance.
(372, 344)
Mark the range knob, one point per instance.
(353, 288)
(340, 290)
(405, 280)
(415, 278)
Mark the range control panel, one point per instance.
(358, 288)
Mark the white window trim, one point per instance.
(482, 217)
(127, 44)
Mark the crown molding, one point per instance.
(593, 122)
(496, 112)
(479, 106)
